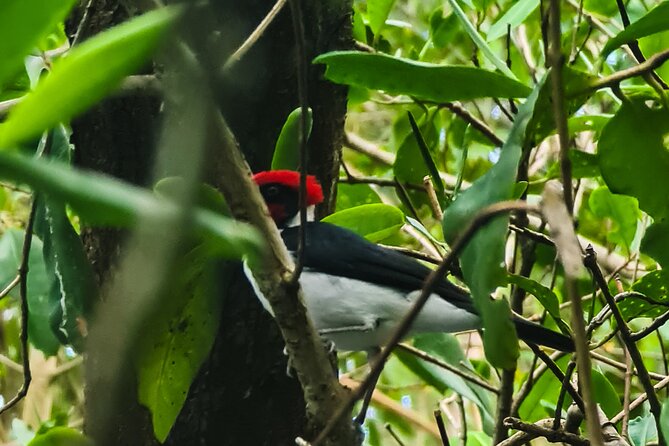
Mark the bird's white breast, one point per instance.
(358, 315)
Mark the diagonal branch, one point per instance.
(322, 393)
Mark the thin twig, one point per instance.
(479, 125)
(556, 59)
(529, 382)
(553, 367)
(413, 253)
(255, 35)
(15, 281)
(463, 419)
(300, 44)
(620, 366)
(480, 219)
(653, 62)
(23, 291)
(640, 400)
(539, 430)
(634, 44)
(504, 404)
(438, 362)
(378, 182)
(432, 196)
(657, 323)
(392, 433)
(442, 429)
(590, 261)
(626, 393)
(361, 145)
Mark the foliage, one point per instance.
(456, 92)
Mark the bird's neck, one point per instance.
(295, 221)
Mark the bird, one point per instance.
(357, 292)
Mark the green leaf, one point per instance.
(655, 242)
(73, 287)
(633, 156)
(443, 29)
(375, 222)
(23, 23)
(425, 81)
(61, 436)
(607, 397)
(287, 149)
(206, 197)
(516, 15)
(642, 430)
(654, 299)
(655, 21)
(544, 390)
(482, 259)
(106, 201)
(478, 438)
(588, 123)
(351, 195)
(40, 306)
(377, 12)
(425, 154)
(410, 166)
(105, 59)
(542, 123)
(446, 347)
(623, 211)
(545, 295)
(583, 165)
(479, 42)
(178, 339)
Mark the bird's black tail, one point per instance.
(536, 334)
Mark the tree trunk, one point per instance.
(242, 395)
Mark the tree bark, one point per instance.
(242, 394)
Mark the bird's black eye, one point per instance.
(272, 191)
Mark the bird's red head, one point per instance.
(280, 189)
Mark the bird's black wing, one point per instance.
(337, 251)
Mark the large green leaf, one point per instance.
(377, 13)
(103, 200)
(633, 156)
(655, 21)
(177, 339)
(654, 301)
(425, 81)
(516, 14)
(622, 210)
(86, 75)
(655, 242)
(607, 397)
(40, 306)
(22, 24)
(375, 221)
(482, 259)
(287, 149)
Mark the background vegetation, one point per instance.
(124, 315)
